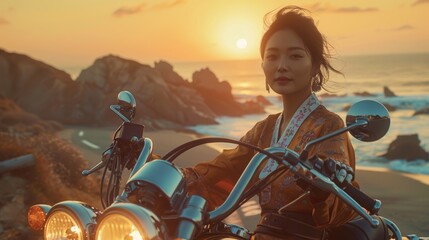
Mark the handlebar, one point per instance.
(324, 183)
(353, 197)
(97, 167)
(370, 204)
(311, 175)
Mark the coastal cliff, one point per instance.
(164, 99)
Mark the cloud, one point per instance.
(354, 10)
(418, 2)
(3, 21)
(168, 4)
(317, 7)
(124, 11)
(403, 28)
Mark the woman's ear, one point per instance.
(315, 70)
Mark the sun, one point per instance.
(241, 43)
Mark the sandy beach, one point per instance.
(404, 197)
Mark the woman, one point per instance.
(294, 61)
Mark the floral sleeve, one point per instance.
(332, 211)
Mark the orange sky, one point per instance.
(69, 33)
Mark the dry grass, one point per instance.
(56, 175)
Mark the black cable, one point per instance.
(118, 172)
(103, 203)
(102, 186)
(261, 184)
(109, 184)
(173, 154)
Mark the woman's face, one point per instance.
(287, 64)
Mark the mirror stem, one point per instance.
(359, 122)
(114, 108)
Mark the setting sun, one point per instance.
(241, 43)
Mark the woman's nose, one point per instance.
(282, 65)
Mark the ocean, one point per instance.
(407, 75)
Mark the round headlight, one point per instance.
(70, 220)
(118, 227)
(126, 221)
(61, 225)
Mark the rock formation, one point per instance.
(364, 94)
(331, 95)
(406, 147)
(218, 95)
(36, 87)
(423, 111)
(388, 92)
(263, 101)
(164, 99)
(157, 104)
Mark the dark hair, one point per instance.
(294, 18)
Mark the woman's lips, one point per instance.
(282, 80)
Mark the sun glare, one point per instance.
(241, 43)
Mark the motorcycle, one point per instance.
(155, 204)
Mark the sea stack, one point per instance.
(406, 147)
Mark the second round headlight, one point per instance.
(127, 221)
(61, 225)
(70, 220)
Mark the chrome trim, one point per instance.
(376, 207)
(127, 99)
(145, 154)
(165, 176)
(191, 217)
(115, 109)
(45, 209)
(358, 123)
(148, 223)
(226, 208)
(85, 215)
(392, 227)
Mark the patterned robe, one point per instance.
(223, 172)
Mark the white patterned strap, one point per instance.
(306, 108)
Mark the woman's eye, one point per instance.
(296, 56)
(271, 57)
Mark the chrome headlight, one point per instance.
(151, 188)
(70, 220)
(126, 221)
